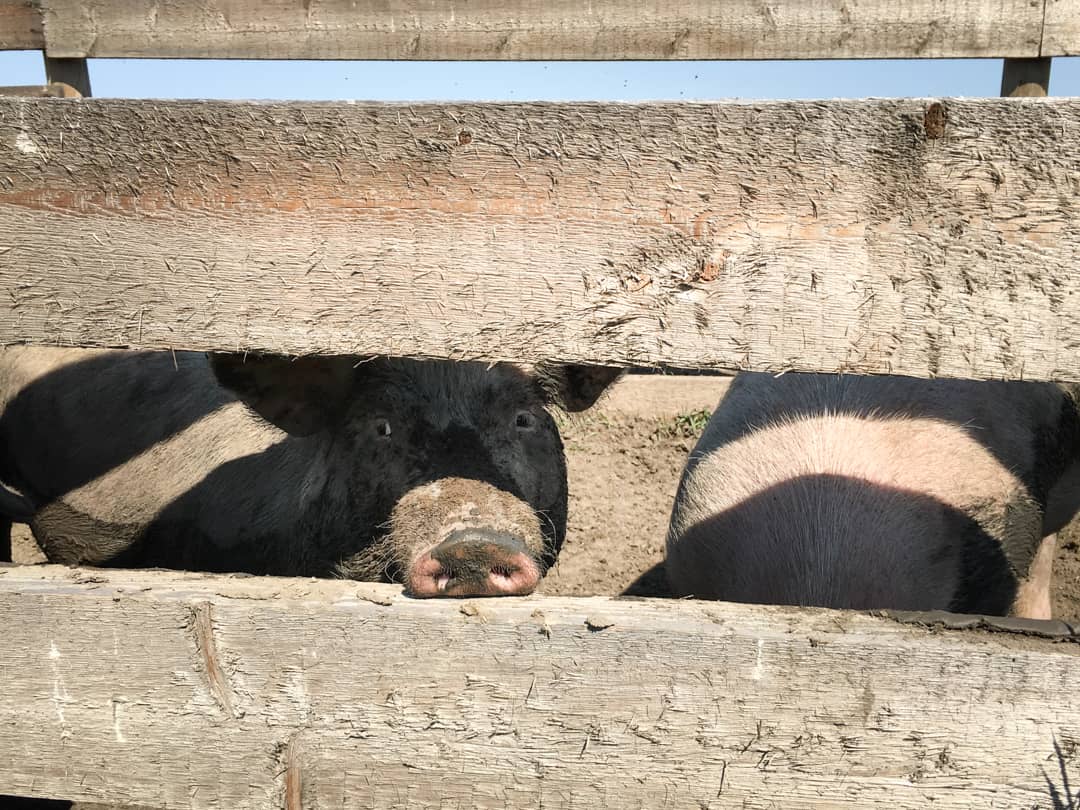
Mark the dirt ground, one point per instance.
(623, 471)
(624, 459)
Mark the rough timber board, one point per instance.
(910, 236)
(545, 29)
(20, 26)
(209, 692)
(51, 90)
(1061, 33)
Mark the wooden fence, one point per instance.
(242, 692)
(927, 237)
(533, 29)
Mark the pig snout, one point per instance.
(475, 562)
(463, 537)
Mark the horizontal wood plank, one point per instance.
(1061, 30)
(21, 26)
(917, 237)
(548, 29)
(51, 90)
(207, 692)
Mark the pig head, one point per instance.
(446, 476)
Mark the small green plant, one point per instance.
(684, 426)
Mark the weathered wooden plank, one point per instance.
(908, 236)
(546, 29)
(51, 90)
(1061, 31)
(209, 692)
(21, 26)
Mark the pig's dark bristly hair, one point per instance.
(574, 387)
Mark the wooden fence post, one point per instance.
(1025, 78)
(74, 72)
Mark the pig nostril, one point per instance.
(474, 563)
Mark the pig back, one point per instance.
(866, 492)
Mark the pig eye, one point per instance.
(382, 428)
(524, 420)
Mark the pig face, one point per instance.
(446, 476)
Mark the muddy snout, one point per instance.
(475, 562)
(462, 537)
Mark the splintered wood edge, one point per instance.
(596, 613)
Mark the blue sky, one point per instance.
(556, 81)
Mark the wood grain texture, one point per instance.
(349, 695)
(51, 90)
(21, 26)
(1061, 31)
(547, 29)
(908, 236)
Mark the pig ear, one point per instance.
(576, 387)
(301, 396)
